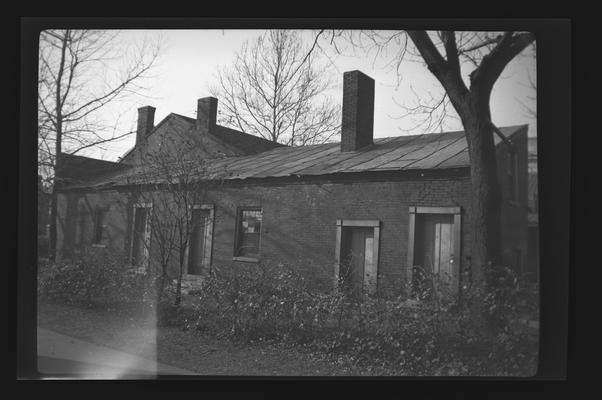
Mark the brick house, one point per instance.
(378, 211)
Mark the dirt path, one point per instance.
(138, 335)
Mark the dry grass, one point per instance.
(137, 333)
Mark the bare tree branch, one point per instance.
(275, 90)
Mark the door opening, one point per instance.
(199, 245)
(357, 245)
(434, 255)
(139, 245)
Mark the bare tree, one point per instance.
(530, 106)
(76, 82)
(275, 89)
(173, 185)
(446, 53)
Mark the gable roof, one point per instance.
(239, 142)
(76, 167)
(436, 151)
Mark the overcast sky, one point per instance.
(190, 59)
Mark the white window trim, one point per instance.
(207, 239)
(370, 284)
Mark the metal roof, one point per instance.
(415, 152)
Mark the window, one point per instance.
(99, 225)
(248, 236)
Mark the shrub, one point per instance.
(94, 276)
(419, 337)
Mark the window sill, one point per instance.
(246, 259)
(101, 246)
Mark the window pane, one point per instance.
(250, 231)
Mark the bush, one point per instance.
(259, 304)
(274, 303)
(95, 276)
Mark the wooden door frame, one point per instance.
(457, 259)
(370, 223)
(207, 239)
(147, 236)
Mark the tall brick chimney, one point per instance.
(206, 114)
(358, 111)
(146, 123)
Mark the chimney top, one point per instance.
(146, 123)
(358, 111)
(206, 114)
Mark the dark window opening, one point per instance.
(249, 232)
(99, 225)
(139, 235)
(81, 227)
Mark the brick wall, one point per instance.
(299, 219)
(75, 227)
(175, 136)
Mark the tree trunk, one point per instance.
(486, 204)
(161, 285)
(53, 233)
(179, 284)
(58, 149)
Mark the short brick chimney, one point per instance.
(146, 123)
(206, 114)
(358, 111)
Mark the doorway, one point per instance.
(141, 236)
(434, 250)
(200, 244)
(356, 255)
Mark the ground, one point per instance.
(138, 334)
